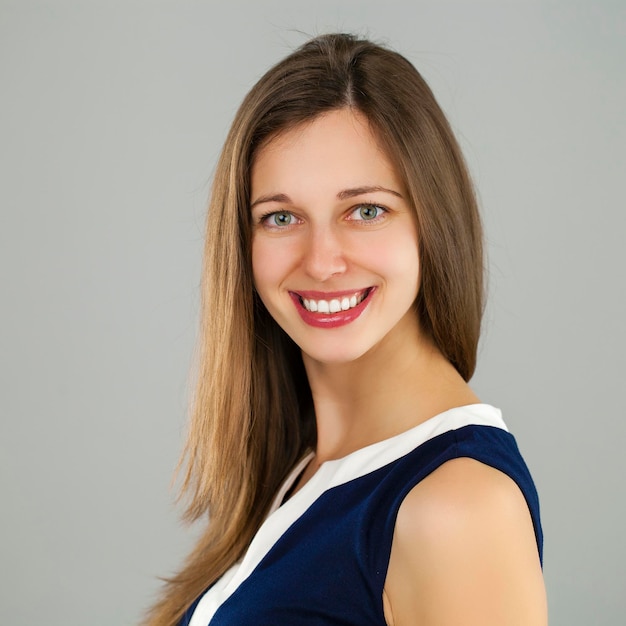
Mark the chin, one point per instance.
(334, 354)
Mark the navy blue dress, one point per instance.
(321, 557)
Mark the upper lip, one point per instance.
(330, 295)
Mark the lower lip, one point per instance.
(331, 320)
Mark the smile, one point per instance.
(330, 310)
(334, 305)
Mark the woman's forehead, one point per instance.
(337, 150)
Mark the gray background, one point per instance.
(111, 118)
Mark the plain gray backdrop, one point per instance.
(112, 115)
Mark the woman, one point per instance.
(350, 473)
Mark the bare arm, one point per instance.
(464, 553)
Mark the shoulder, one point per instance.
(463, 493)
(464, 551)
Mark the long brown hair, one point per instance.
(252, 417)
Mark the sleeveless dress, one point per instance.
(321, 557)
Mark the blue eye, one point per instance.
(281, 219)
(278, 221)
(367, 212)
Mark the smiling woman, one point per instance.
(344, 250)
(350, 473)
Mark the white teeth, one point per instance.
(335, 305)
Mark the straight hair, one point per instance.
(252, 416)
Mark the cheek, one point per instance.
(396, 256)
(271, 262)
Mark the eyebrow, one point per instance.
(344, 194)
(359, 191)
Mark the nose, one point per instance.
(324, 256)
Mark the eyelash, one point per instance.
(370, 205)
(263, 219)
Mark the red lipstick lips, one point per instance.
(330, 319)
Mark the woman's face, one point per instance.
(334, 247)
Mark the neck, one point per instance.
(397, 384)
